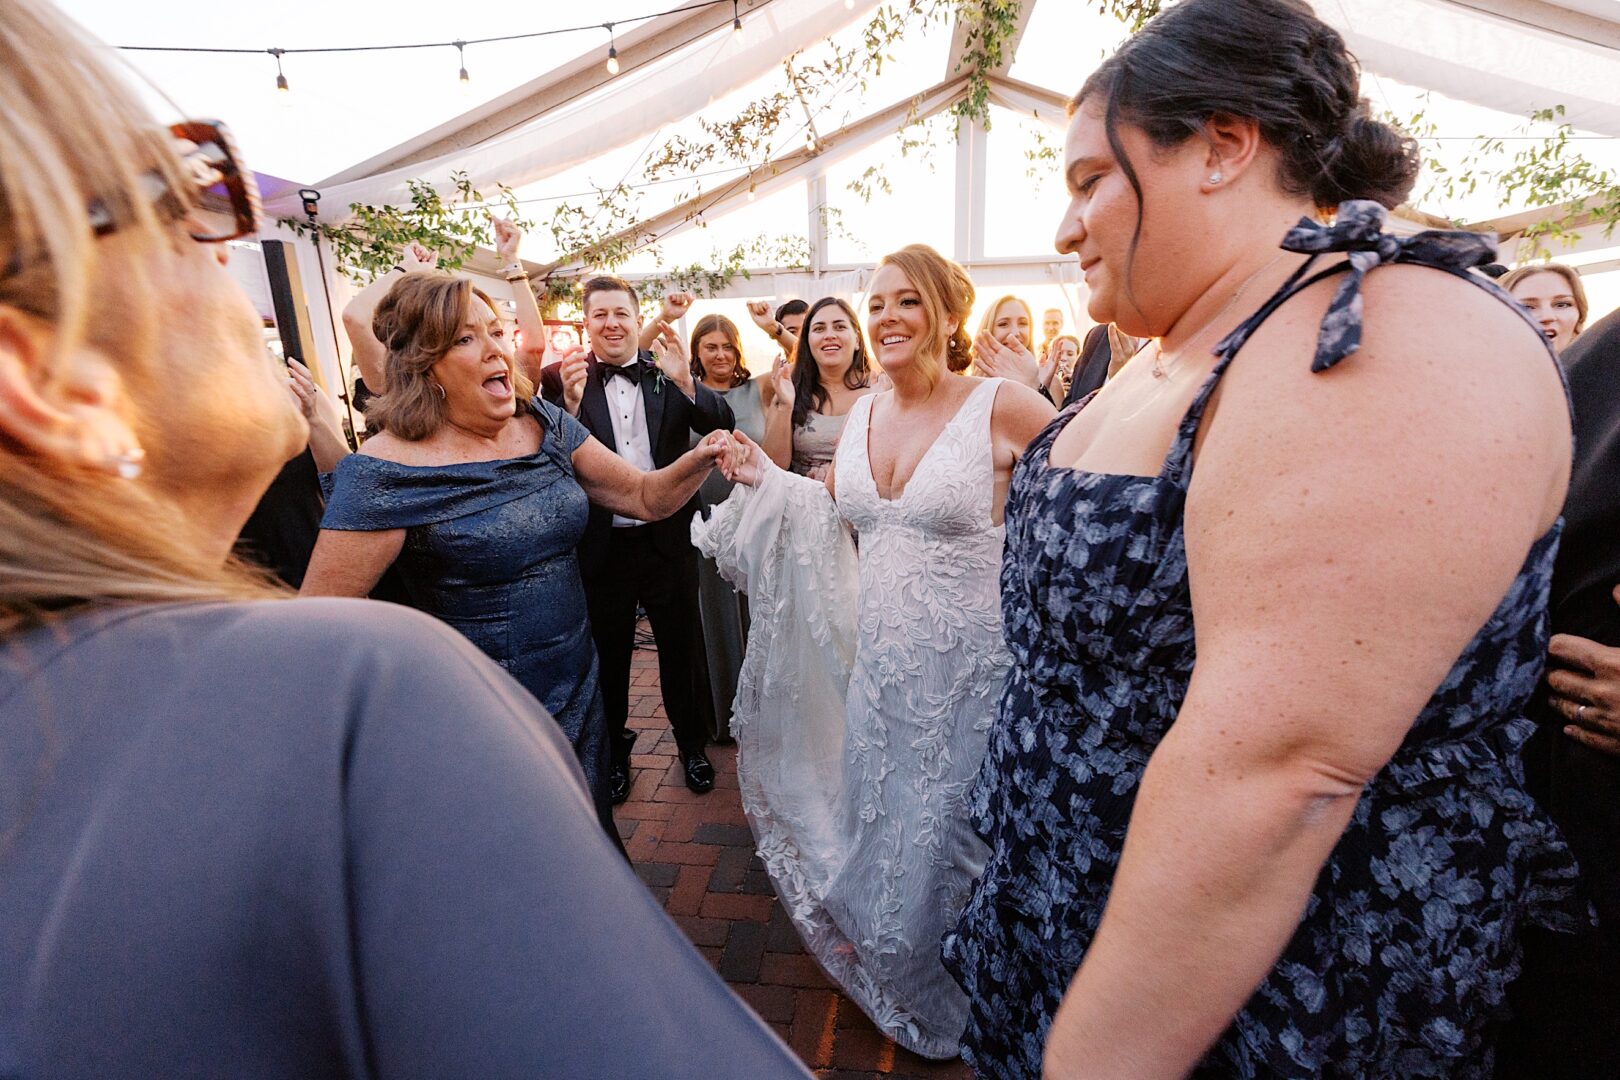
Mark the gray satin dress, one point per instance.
(489, 549)
(722, 609)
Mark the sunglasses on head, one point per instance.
(210, 166)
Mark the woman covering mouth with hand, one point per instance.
(481, 490)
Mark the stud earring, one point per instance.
(1215, 178)
(126, 464)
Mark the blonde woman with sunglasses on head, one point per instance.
(239, 834)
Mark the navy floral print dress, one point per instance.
(1400, 963)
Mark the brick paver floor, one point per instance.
(696, 853)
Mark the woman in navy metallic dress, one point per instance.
(481, 493)
(1276, 597)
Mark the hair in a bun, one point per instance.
(1270, 60)
(959, 352)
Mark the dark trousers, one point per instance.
(1566, 1009)
(636, 573)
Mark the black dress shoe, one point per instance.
(699, 773)
(618, 783)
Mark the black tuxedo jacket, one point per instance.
(671, 420)
(1091, 370)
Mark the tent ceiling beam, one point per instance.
(1551, 17)
(638, 45)
(782, 171)
(956, 60)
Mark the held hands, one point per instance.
(573, 370)
(670, 352)
(1005, 360)
(508, 238)
(712, 450)
(1586, 690)
(745, 462)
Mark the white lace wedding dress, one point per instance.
(864, 704)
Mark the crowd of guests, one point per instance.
(1233, 690)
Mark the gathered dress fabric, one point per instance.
(489, 549)
(1401, 959)
(864, 704)
(722, 610)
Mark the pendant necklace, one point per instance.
(1160, 369)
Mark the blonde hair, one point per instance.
(73, 134)
(418, 322)
(1570, 275)
(988, 323)
(947, 294)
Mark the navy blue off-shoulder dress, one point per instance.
(1400, 963)
(489, 549)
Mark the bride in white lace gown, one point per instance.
(870, 681)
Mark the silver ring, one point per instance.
(1580, 710)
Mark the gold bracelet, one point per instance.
(517, 277)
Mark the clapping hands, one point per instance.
(670, 353)
(993, 359)
(573, 369)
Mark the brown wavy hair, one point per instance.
(947, 293)
(708, 325)
(418, 322)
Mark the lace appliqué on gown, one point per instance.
(864, 705)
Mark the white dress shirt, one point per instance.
(627, 411)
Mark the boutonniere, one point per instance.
(658, 377)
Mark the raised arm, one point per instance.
(676, 305)
(366, 351)
(1347, 534)
(778, 439)
(508, 239)
(760, 312)
(615, 484)
(326, 442)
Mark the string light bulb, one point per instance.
(736, 19)
(281, 77)
(613, 51)
(461, 53)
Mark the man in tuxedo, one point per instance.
(644, 407)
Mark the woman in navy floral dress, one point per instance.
(1309, 853)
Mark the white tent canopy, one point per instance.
(1502, 58)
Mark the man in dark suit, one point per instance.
(644, 407)
(1567, 996)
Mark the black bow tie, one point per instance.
(630, 372)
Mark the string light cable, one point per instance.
(460, 45)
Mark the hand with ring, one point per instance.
(1585, 689)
